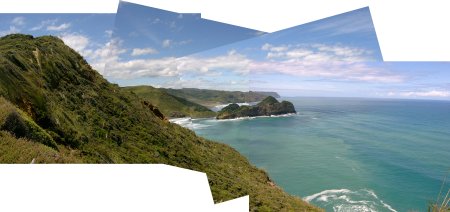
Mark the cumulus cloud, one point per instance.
(16, 25)
(431, 93)
(11, 30)
(320, 62)
(98, 54)
(75, 41)
(145, 51)
(326, 61)
(60, 27)
(173, 67)
(18, 21)
(108, 53)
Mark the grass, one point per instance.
(21, 150)
(170, 104)
(17, 122)
(212, 98)
(442, 201)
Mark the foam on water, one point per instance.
(189, 123)
(343, 200)
(254, 117)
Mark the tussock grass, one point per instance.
(443, 199)
(21, 150)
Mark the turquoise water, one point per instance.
(348, 154)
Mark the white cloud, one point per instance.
(16, 25)
(166, 43)
(173, 67)
(18, 21)
(295, 62)
(335, 70)
(336, 62)
(97, 55)
(272, 48)
(145, 51)
(61, 27)
(431, 93)
(11, 30)
(316, 52)
(43, 24)
(75, 41)
(106, 54)
(109, 33)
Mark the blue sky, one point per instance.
(89, 34)
(336, 56)
(171, 34)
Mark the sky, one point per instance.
(169, 34)
(89, 34)
(337, 56)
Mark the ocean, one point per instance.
(347, 154)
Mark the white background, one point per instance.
(407, 31)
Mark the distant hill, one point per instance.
(212, 98)
(267, 107)
(59, 110)
(170, 105)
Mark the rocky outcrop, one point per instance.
(155, 110)
(267, 107)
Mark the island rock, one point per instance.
(267, 107)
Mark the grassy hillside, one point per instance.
(21, 150)
(94, 121)
(20, 124)
(212, 98)
(170, 105)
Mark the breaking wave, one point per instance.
(188, 123)
(343, 200)
(201, 123)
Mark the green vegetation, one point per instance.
(170, 105)
(20, 150)
(442, 202)
(269, 101)
(93, 121)
(212, 98)
(17, 122)
(267, 107)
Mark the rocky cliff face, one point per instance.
(267, 107)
